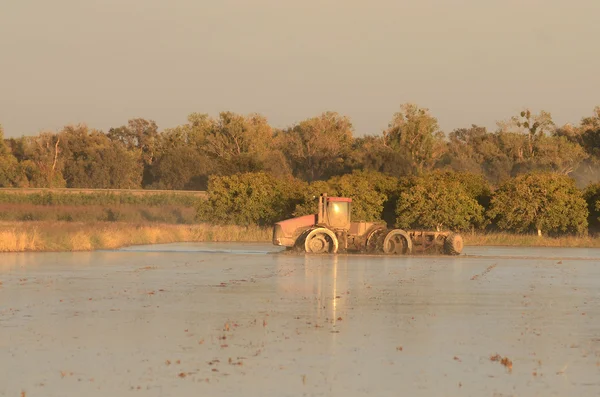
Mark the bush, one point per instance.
(542, 202)
(309, 197)
(250, 199)
(475, 185)
(261, 199)
(112, 215)
(387, 186)
(592, 197)
(438, 200)
(368, 191)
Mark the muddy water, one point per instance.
(243, 320)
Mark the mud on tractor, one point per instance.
(331, 231)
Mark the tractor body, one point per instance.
(331, 230)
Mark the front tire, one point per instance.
(321, 241)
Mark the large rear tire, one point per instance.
(453, 245)
(320, 241)
(374, 242)
(397, 242)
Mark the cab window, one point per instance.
(338, 213)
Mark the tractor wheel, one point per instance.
(375, 240)
(453, 244)
(321, 241)
(397, 242)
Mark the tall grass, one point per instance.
(75, 236)
(93, 213)
(100, 198)
(529, 240)
(86, 236)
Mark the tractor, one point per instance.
(331, 231)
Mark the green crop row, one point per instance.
(99, 198)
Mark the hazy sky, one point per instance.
(468, 61)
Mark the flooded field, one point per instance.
(245, 320)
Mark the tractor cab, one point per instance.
(334, 212)
(330, 230)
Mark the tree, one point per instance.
(590, 141)
(590, 132)
(437, 200)
(477, 151)
(318, 148)
(3, 147)
(308, 203)
(141, 135)
(238, 143)
(531, 125)
(196, 129)
(181, 162)
(587, 136)
(532, 143)
(592, 197)
(180, 167)
(11, 173)
(92, 160)
(542, 202)
(475, 185)
(249, 199)
(370, 192)
(414, 132)
(462, 153)
(557, 154)
(367, 200)
(41, 159)
(370, 153)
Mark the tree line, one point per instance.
(546, 203)
(139, 155)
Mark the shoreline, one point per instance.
(45, 236)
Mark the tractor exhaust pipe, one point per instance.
(321, 212)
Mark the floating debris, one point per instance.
(503, 360)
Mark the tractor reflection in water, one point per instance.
(331, 231)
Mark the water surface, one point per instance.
(246, 320)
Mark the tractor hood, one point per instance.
(286, 232)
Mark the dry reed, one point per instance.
(72, 236)
(529, 240)
(84, 236)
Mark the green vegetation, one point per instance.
(438, 201)
(160, 207)
(248, 199)
(542, 202)
(140, 155)
(170, 214)
(529, 240)
(527, 176)
(592, 197)
(369, 191)
(99, 198)
(547, 203)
